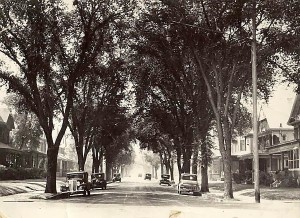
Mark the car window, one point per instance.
(189, 177)
(77, 176)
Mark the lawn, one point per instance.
(277, 193)
(235, 187)
(265, 192)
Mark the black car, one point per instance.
(98, 180)
(76, 183)
(165, 179)
(147, 176)
(117, 177)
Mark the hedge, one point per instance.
(21, 173)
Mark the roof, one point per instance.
(79, 172)
(279, 107)
(7, 147)
(4, 112)
(295, 112)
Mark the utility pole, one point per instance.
(255, 123)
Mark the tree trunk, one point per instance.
(178, 156)
(228, 192)
(96, 164)
(161, 164)
(80, 158)
(204, 178)
(186, 168)
(172, 170)
(195, 160)
(51, 169)
(167, 166)
(108, 171)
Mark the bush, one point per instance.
(21, 173)
(265, 178)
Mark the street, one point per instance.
(134, 197)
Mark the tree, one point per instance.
(154, 160)
(33, 32)
(28, 131)
(218, 35)
(167, 86)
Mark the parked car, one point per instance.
(188, 184)
(76, 183)
(98, 180)
(165, 179)
(117, 177)
(147, 176)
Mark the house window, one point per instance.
(275, 139)
(296, 133)
(242, 145)
(284, 137)
(293, 159)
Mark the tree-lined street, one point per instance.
(164, 83)
(138, 198)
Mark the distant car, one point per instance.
(188, 184)
(98, 180)
(76, 183)
(147, 176)
(165, 179)
(117, 177)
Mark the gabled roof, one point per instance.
(295, 113)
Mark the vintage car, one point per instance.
(147, 176)
(98, 180)
(117, 177)
(188, 184)
(76, 183)
(165, 179)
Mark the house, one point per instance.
(286, 152)
(11, 156)
(278, 146)
(8, 154)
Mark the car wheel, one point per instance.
(88, 193)
(105, 187)
(84, 193)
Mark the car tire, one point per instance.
(105, 187)
(88, 193)
(84, 193)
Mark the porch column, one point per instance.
(271, 162)
(282, 160)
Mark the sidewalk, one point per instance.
(25, 188)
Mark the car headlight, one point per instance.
(78, 183)
(67, 184)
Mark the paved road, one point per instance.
(139, 198)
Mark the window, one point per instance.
(293, 159)
(275, 139)
(242, 145)
(284, 137)
(296, 133)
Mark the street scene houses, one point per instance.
(278, 146)
(28, 158)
